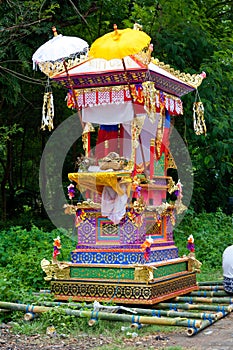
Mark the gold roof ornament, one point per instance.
(88, 128)
(193, 80)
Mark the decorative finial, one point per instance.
(137, 26)
(54, 29)
(191, 245)
(203, 74)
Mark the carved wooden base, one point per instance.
(132, 292)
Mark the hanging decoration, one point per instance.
(198, 116)
(180, 207)
(150, 97)
(170, 161)
(59, 53)
(91, 97)
(86, 138)
(136, 128)
(47, 109)
(156, 101)
(159, 134)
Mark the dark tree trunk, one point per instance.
(6, 179)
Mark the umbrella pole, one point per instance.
(73, 93)
(140, 140)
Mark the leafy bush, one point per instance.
(212, 233)
(21, 252)
(27, 220)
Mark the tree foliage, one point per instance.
(191, 36)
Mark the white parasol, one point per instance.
(54, 52)
(55, 55)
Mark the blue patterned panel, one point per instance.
(122, 258)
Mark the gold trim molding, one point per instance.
(193, 80)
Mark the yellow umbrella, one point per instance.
(120, 43)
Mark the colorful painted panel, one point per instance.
(102, 273)
(107, 232)
(107, 257)
(140, 293)
(119, 273)
(160, 180)
(94, 229)
(102, 80)
(169, 229)
(124, 257)
(155, 229)
(161, 82)
(169, 269)
(165, 254)
(159, 166)
(171, 285)
(87, 231)
(131, 233)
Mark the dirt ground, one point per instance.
(218, 336)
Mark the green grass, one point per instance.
(102, 330)
(210, 275)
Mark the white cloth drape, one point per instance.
(113, 205)
(108, 114)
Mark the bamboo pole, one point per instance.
(138, 325)
(4, 310)
(214, 288)
(72, 304)
(187, 299)
(29, 316)
(204, 293)
(175, 306)
(141, 311)
(172, 313)
(183, 322)
(191, 331)
(24, 307)
(208, 283)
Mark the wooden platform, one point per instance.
(146, 284)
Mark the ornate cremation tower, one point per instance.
(125, 250)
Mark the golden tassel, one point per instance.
(47, 111)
